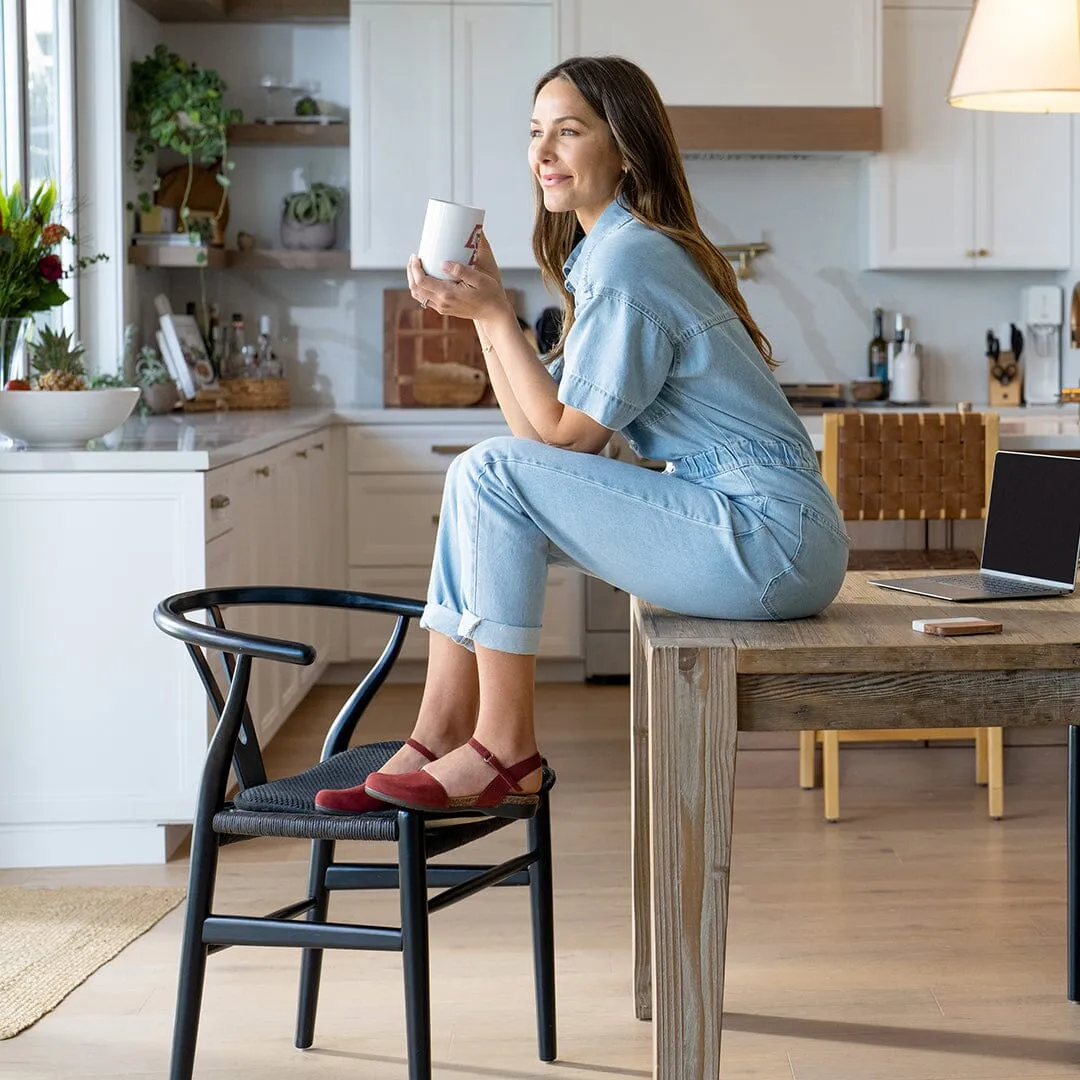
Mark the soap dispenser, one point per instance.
(905, 388)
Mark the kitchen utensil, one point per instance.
(416, 342)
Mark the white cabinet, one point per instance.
(451, 123)
(395, 482)
(105, 719)
(730, 52)
(955, 188)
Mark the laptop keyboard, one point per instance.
(988, 584)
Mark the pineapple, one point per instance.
(57, 362)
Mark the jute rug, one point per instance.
(51, 940)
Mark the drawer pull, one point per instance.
(449, 451)
(434, 519)
(219, 502)
(320, 446)
(969, 253)
(982, 253)
(263, 471)
(301, 453)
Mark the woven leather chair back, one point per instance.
(903, 466)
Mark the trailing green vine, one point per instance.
(173, 104)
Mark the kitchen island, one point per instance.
(103, 725)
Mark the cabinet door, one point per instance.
(393, 518)
(921, 198)
(730, 52)
(1023, 204)
(399, 149)
(493, 87)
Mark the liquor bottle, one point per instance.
(878, 356)
(215, 339)
(268, 364)
(236, 359)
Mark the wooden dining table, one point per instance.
(696, 682)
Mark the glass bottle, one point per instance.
(236, 360)
(877, 354)
(268, 364)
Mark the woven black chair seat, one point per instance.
(286, 807)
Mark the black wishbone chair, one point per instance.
(286, 808)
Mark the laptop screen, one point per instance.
(1033, 520)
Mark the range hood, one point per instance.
(775, 129)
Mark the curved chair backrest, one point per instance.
(235, 736)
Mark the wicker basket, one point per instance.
(257, 393)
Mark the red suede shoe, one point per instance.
(356, 800)
(421, 791)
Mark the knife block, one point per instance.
(1009, 394)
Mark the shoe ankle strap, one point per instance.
(420, 748)
(515, 773)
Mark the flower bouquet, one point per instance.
(31, 269)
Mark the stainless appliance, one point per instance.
(1042, 309)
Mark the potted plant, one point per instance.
(309, 218)
(31, 270)
(158, 389)
(173, 104)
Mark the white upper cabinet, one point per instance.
(493, 87)
(441, 97)
(739, 52)
(956, 189)
(400, 138)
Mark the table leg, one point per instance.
(1072, 843)
(641, 920)
(692, 722)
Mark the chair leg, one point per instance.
(201, 875)
(982, 775)
(995, 759)
(322, 851)
(807, 746)
(830, 773)
(541, 895)
(412, 857)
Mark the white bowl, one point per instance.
(64, 418)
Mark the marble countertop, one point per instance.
(195, 442)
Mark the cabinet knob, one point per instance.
(301, 453)
(219, 502)
(434, 519)
(263, 471)
(449, 451)
(982, 253)
(320, 446)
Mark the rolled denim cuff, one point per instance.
(468, 630)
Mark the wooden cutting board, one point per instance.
(432, 360)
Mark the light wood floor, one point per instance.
(916, 941)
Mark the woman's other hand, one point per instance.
(485, 260)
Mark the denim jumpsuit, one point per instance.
(739, 526)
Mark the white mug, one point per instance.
(451, 234)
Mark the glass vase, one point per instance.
(14, 362)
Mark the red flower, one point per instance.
(51, 268)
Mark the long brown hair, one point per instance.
(654, 186)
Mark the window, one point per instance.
(37, 114)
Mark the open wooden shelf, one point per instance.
(247, 10)
(285, 134)
(171, 255)
(281, 259)
(218, 258)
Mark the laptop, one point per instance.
(1031, 540)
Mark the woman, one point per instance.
(656, 343)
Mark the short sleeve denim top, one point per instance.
(658, 355)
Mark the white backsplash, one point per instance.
(809, 293)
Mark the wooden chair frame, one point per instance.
(957, 430)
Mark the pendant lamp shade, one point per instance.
(1020, 56)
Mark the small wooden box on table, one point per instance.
(696, 682)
